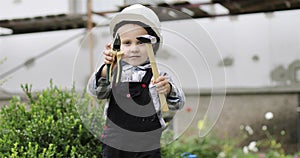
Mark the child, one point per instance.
(134, 120)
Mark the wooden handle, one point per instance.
(111, 66)
(162, 98)
(119, 57)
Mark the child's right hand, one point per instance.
(108, 58)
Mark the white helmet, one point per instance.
(137, 13)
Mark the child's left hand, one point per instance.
(162, 85)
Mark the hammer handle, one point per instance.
(162, 97)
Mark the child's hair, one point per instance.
(139, 15)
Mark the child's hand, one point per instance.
(162, 85)
(108, 58)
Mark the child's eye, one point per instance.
(139, 42)
(126, 42)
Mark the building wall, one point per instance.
(241, 110)
(246, 51)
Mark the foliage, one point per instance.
(207, 147)
(60, 123)
(212, 147)
(48, 125)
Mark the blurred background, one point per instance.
(243, 57)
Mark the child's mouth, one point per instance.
(134, 56)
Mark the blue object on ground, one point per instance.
(188, 155)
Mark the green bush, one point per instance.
(61, 123)
(49, 125)
(207, 147)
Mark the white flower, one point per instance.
(269, 115)
(245, 150)
(252, 146)
(282, 132)
(222, 154)
(264, 127)
(249, 130)
(242, 127)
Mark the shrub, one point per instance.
(204, 147)
(60, 123)
(49, 125)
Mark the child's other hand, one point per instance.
(108, 58)
(162, 85)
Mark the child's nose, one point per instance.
(134, 48)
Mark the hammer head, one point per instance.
(147, 39)
(117, 43)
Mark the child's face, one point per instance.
(135, 52)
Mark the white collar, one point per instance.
(126, 66)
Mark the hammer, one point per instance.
(116, 53)
(149, 40)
